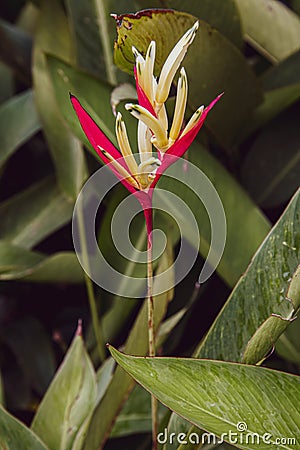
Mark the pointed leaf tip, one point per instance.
(79, 328)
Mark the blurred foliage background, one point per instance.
(250, 49)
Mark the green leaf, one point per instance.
(282, 89)
(275, 101)
(295, 5)
(212, 396)
(92, 92)
(19, 263)
(66, 151)
(18, 123)
(32, 215)
(33, 351)
(283, 74)
(87, 41)
(270, 174)
(206, 64)
(121, 384)
(71, 397)
(15, 50)
(103, 377)
(6, 82)
(270, 27)
(242, 216)
(135, 416)
(287, 345)
(14, 435)
(260, 300)
(224, 16)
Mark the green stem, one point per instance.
(151, 333)
(89, 287)
(106, 43)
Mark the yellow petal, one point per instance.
(140, 67)
(144, 141)
(163, 117)
(172, 63)
(193, 120)
(147, 171)
(180, 105)
(152, 122)
(124, 145)
(148, 71)
(122, 171)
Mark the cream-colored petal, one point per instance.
(163, 117)
(180, 106)
(124, 145)
(152, 122)
(140, 67)
(193, 120)
(147, 171)
(148, 71)
(172, 63)
(144, 141)
(122, 171)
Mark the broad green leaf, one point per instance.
(295, 4)
(13, 258)
(224, 16)
(275, 102)
(94, 33)
(92, 92)
(260, 305)
(282, 89)
(29, 217)
(66, 151)
(270, 27)
(6, 82)
(135, 416)
(32, 350)
(86, 36)
(169, 324)
(19, 263)
(242, 216)
(287, 345)
(18, 123)
(121, 384)
(206, 64)
(283, 74)
(103, 377)
(178, 425)
(71, 397)
(14, 435)
(211, 395)
(270, 171)
(15, 50)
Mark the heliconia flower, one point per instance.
(141, 177)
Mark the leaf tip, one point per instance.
(79, 328)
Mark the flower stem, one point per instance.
(89, 287)
(105, 39)
(151, 330)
